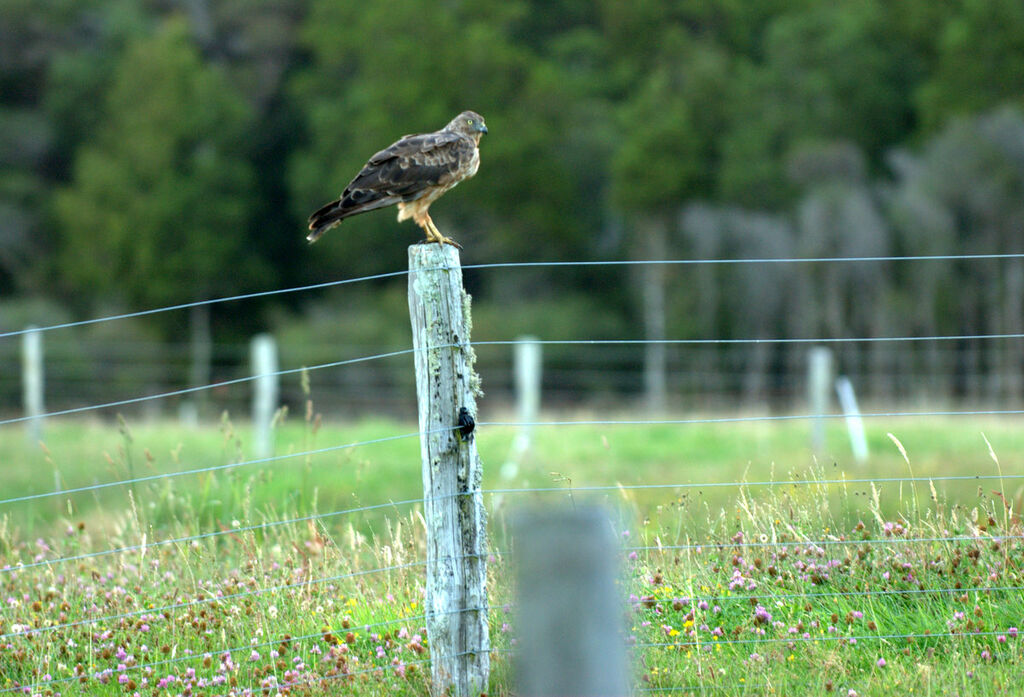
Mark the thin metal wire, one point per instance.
(223, 598)
(214, 468)
(523, 490)
(770, 482)
(823, 543)
(524, 264)
(385, 668)
(600, 422)
(896, 592)
(199, 656)
(749, 419)
(200, 388)
(207, 535)
(767, 340)
(825, 637)
(759, 260)
(269, 643)
(512, 342)
(739, 687)
(492, 608)
(362, 671)
(199, 303)
(214, 599)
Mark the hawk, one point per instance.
(413, 173)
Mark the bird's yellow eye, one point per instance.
(469, 121)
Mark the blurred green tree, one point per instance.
(834, 71)
(979, 64)
(35, 138)
(665, 155)
(158, 206)
(158, 209)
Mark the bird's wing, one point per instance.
(414, 165)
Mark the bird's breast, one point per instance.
(474, 163)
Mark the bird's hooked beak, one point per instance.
(482, 128)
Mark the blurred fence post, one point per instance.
(201, 359)
(456, 521)
(569, 638)
(854, 422)
(527, 363)
(265, 393)
(819, 386)
(32, 382)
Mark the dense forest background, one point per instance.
(164, 151)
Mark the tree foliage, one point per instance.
(155, 152)
(161, 193)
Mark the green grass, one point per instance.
(86, 453)
(854, 567)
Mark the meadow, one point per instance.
(750, 565)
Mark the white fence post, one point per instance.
(854, 422)
(453, 506)
(265, 393)
(569, 621)
(819, 384)
(527, 362)
(32, 382)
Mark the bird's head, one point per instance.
(468, 123)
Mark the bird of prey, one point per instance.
(413, 173)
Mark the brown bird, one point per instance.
(413, 173)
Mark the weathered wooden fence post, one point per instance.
(527, 367)
(854, 422)
(32, 382)
(264, 394)
(819, 387)
(569, 627)
(446, 382)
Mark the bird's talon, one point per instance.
(449, 240)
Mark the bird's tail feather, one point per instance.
(324, 219)
(351, 203)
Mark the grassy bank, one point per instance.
(801, 581)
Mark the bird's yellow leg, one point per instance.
(438, 237)
(422, 223)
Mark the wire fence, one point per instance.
(829, 547)
(578, 370)
(723, 374)
(518, 265)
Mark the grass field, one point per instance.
(826, 586)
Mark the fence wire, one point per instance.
(514, 265)
(509, 342)
(214, 599)
(177, 660)
(269, 525)
(212, 468)
(520, 424)
(559, 424)
(748, 419)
